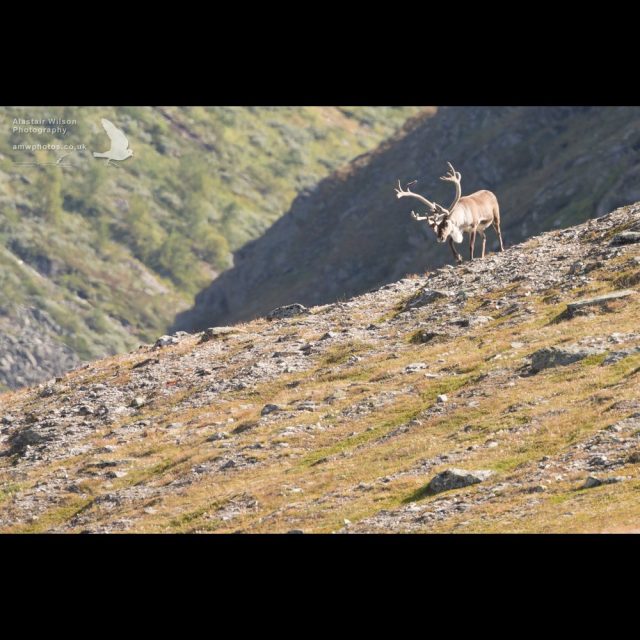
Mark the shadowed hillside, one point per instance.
(549, 166)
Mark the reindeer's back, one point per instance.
(484, 203)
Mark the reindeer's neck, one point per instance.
(461, 216)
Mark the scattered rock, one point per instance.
(36, 434)
(165, 341)
(116, 474)
(475, 321)
(626, 237)
(85, 410)
(307, 406)
(146, 362)
(592, 481)
(217, 332)
(283, 354)
(560, 356)
(574, 307)
(138, 402)
(537, 488)
(598, 461)
(222, 435)
(442, 398)
(245, 426)
(106, 449)
(270, 408)
(427, 296)
(616, 356)
(457, 478)
(288, 311)
(338, 394)
(415, 366)
(424, 336)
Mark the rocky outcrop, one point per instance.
(31, 349)
(457, 478)
(560, 356)
(579, 305)
(288, 311)
(626, 237)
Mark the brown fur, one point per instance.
(472, 213)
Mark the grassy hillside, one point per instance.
(550, 167)
(338, 419)
(106, 254)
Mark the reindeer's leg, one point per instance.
(484, 241)
(456, 255)
(496, 226)
(472, 243)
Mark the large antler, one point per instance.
(401, 193)
(455, 177)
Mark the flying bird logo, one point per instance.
(119, 144)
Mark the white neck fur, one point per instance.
(456, 234)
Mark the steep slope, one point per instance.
(351, 416)
(550, 167)
(95, 258)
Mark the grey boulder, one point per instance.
(548, 357)
(457, 478)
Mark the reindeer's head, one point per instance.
(443, 227)
(439, 220)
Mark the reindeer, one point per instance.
(472, 213)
